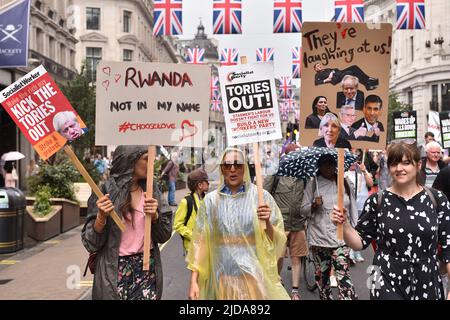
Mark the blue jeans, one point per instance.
(171, 195)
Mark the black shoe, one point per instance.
(173, 204)
(371, 84)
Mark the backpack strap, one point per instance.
(379, 199)
(190, 205)
(430, 193)
(276, 180)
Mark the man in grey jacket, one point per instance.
(288, 193)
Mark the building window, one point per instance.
(62, 52)
(39, 41)
(434, 104)
(411, 44)
(410, 99)
(52, 48)
(127, 55)
(50, 14)
(126, 21)
(38, 5)
(61, 23)
(93, 18)
(93, 57)
(445, 95)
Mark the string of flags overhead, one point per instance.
(287, 15)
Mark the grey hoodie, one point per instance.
(107, 243)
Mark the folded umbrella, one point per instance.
(302, 164)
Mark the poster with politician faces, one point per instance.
(345, 84)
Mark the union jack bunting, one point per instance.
(227, 16)
(167, 17)
(216, 105)
(195, 55)
(264, 54)
(349, 10)
(229, 56)
(287, 16)
(283, 111)
(290, 105)
(296, 62)
(410, 14)
(214, 88)
(286, 89)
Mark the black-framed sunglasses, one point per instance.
(227, 165)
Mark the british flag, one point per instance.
(227, 16)
(410, 14)
(296, 62)
(283, 111)
(290, 105)
(349, 10)
(167, 17)
(216, 105)
(195, 55)
(264, 54)
(286, 87)
(287, 16)
(229, 56)
(214, 88)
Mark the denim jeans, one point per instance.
(171, 195)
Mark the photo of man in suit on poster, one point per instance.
(372, 111)
(350, 95)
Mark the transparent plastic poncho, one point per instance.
(235, 258)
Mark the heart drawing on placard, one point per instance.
(188, 129)
(117, 77)
(107, 70)
(105, 84)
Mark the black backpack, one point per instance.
(190, 206)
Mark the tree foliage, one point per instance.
(81, 94)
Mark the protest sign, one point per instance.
(42, 112)
(345, 82)
(152, 104)
(405, 125)
(434, 125)
(444, 118)
(250, 103)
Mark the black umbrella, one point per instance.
(303, 163)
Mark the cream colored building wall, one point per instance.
(416, 70)
(111, 38)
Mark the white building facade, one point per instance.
(420, 64)
(118, 31)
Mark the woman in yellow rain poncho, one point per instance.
(231, 256)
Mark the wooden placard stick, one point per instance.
(259, 181)
(340, 185)
(92, 184)
(148, 218)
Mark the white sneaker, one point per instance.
(333, 282)
(358, 256)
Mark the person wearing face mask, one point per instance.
(408, 223)
(231, 256)
(119, 261)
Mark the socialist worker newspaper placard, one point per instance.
(250, 103)
(152, 104)
(42, 112)
(405, 124)
(345, 84)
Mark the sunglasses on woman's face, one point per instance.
(227, 165)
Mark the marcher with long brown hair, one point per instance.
(408, 222)
(118, 272)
